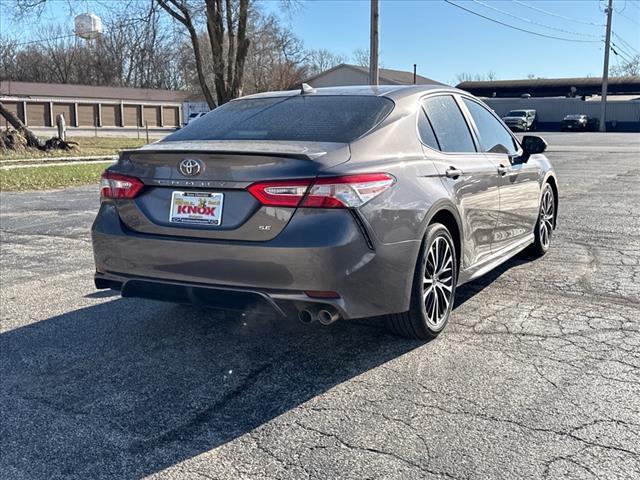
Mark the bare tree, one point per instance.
(322, 59)
(477, 77)
(627, 68)
(226, 26)
(276, 57)
(361, 57)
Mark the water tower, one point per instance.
(88, 26)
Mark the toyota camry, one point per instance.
(326, 203)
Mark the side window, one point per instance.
(494, 138)
(449, 126)
(425, 130)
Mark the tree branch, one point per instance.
(183, 16)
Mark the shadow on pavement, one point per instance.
(468, 290)
(129, 387)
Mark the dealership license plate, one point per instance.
(203, 208)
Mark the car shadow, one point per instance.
(468, 290)
(129, 387)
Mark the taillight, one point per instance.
(348, 191)
(284, 193)
(116, 185)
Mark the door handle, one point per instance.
(453, 172)
(502, 170)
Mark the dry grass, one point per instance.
(51, 176)
(88, 146)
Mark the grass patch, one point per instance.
(48, 177)
(88, 146)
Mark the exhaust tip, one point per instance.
(327, 317)
(306, 316)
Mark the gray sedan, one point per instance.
(326, 203)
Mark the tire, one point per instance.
(431, 303)
(546, 222)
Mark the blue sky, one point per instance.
(443, 40)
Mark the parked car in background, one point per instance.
(329, 203)
(593, 124)
(575, 122)
(523, 120)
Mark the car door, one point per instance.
(468, 175)
(518, 181)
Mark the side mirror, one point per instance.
(532, 145)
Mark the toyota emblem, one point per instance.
(190, 167)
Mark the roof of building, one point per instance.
(385, 75)
(552, 86)
(56, 90)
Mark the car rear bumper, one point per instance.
(319, 250)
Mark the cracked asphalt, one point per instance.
(536, 376)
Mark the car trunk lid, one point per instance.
(227, 168)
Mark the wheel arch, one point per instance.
(446, 214)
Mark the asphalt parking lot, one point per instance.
(536, 376)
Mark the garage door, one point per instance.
(15, 108)
(152, 116)
(132, 115)
(170, 116)
(110, 115)
(67, 110)
(87, 115)
(38, 114)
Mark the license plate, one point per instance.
(203, 208)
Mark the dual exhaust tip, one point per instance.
(325, 315)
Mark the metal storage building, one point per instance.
(91, 107)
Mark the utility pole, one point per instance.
(373, 47)
(605, 71)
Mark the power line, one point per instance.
(509, 14)
(518, 28)
(625, 43)
(620, 54)
(622, 50)
(584, 22)
(45, 40)
(623, 15)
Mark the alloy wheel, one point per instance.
(546, 217)
(437, 291)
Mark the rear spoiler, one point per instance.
(298, 150)
(297, 156)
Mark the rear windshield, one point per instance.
(299, 118)
(517, 113)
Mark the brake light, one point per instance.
(116, 185)
(284, 193)
(349, 191)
